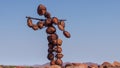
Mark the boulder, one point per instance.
(116, 63)
(83, 65)
(70, 65)
(54, 66)
(76, 65)
(93, 66)
(106, 65)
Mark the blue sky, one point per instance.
(94, 26)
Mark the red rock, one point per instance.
(48, 22)
(41, 10)
(40, 24)
(50, 56)
(79, 65)
(62, 23)
(116, 63)
(66, 34)
(83, 66)
(29, 22)
(76, 64)
(106, 64)
(93, 66)
(59, 55)
(55, 66)
(50, 50)
(60, 27)
(52, 62)
(58, 49)
(51, 30)
(59, 42)
(70, 65)
(52, 37)
(47, 15)
(59, 62)
(35, 27)
(50, 45)
(55, 20)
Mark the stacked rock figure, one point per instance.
(54, 42)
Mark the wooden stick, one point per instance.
(42, 19)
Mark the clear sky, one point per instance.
(94, 26)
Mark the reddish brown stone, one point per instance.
(52, 37)
(48, 22)
(41, 10)
(93, 66)
(50, 56)
(83, 65)
(76, 64)
(35, 27)
(66, 34)
(55, 66)
(40, 24)
(59, 42)
(52, 62)
(58, 49)
(116, 63)
(47, 15)
(50, 50)
(50, 45)
(29, 22)
(55, 20)
(107, 64)
(59, 62)
(70, 65)
(49, 39)
(59, 55)
(62, 23)
(51, 30)
(54, 42)
(60, 27)
(79, 65)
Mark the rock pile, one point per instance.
(115, 64)
(54, 42)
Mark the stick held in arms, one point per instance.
(43, 19)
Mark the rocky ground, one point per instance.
(115, 64)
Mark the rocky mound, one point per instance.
(115, 64)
